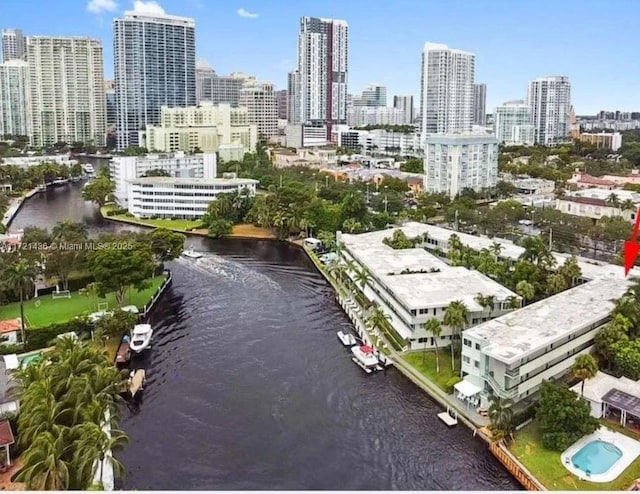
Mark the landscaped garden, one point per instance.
(546, 466)
(45, 310)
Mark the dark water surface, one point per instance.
(249, 388)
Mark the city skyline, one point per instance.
(392, 36)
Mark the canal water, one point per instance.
(249, 387)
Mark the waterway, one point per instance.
(249, 388)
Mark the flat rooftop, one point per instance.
(515, 335)
(192, 181)
(431, 281)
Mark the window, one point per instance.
(467, 342)
(423, 340)
(476, 364)
(466, 359)
(477, 346)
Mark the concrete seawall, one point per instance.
(14, 207)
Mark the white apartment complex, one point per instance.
(26, 161)
(454, 162)
(549, 100)
(303, 136)
(599, 203)
(511, 355)
(381, 141)
(123, 169)
(15, 99)
(359, 116)
(67, 90)
(512, 122)
(154, 60)
(184, 198)
(372, 95)
(480, 104)
(219, 88)
(207, 127)
(320, 82)
(260, 101)
(602, 140)
(446, 89)
(14, 46)
(412, 286)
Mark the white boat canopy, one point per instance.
(467, 389)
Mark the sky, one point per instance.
(592, 42)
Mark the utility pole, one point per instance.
(368, 193)
(326, 181)
(456, 221)
(280, 181)
(386, 203)
(550, 238)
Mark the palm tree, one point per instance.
(377, 319)
(585, 367)
(44, 468)
(556, 283)
(525, 290)
(501, 414)
(362, 277)
(628, 205)
(434, 327)
(571, 271)
(496, 249)
(455, 316)
(21, 276)
(612, 200)
(486, 302)
(513, 302)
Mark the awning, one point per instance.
(467, 389)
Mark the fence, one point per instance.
(516, 468)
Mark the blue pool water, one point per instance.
(596, 457)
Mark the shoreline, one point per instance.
(15, 206)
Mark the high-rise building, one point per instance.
(155, 66)
(373, 95)
(480, 104)
(549, 100)
(323, 71)
(405, 104)
(110, 98)
(13, 45)
(293, 88)
(512, 121)
(447, 89)
(219, 88)
(15, 99)
(282, 102)
(360, 116)
(67, 90)
(260, 101)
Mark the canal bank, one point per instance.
(15, 205)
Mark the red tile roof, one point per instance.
(586, 200)
(588, 179)
(10, 325)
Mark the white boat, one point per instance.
(347, 339)
(192, 254)
(88, 169)
(364, 358)
(140, 337)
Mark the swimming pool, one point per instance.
(30, 358)
(596, 457)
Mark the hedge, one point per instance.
(45, 337)
(114, 212)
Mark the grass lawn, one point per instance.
(46, 310)
(425, 363)
(546, 466)
(251, 231)
(178, 225)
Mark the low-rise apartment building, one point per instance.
(602, 140)
(184, 198)
(600, 203)
(125, 168)
(412, 286)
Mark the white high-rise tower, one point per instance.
(549, 100)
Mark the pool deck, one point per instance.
(630, 451)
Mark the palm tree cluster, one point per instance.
(68, 417)
(501, 417)
(533, 276)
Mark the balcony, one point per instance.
(510, 394)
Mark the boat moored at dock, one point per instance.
(140, 338)
(364, 358)
(347, 339)
(191, 254)
(123, 354)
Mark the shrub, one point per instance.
(115, 212)
(524, 415)
(448, 387)
(43, 337)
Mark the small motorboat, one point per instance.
(364, 358)
(140, 337)
(347, 339)
(191, 254)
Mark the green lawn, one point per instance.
(546, 466)
(46, 310)
(179, 225)
(425, 363)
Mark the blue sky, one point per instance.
(591, 41)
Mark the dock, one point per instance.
(135, 383)
(448, 419)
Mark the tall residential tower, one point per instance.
(67, 90)
(480, 104)
(322, 72)
(15, 99)
(549, 100)
(155, 66)
(14, 46)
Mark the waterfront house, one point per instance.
(9, 330)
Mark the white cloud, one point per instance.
(100, 6)
(150, 7)
(246, 14)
